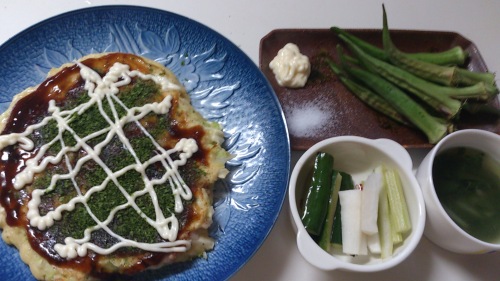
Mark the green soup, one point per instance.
(467, 183)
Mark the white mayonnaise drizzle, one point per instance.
(99, 89)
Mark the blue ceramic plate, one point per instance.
(225, 86)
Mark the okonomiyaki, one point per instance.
(106, 168)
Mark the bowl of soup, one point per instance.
(460, 181)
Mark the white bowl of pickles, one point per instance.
(355, 204)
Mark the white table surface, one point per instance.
(245, 23)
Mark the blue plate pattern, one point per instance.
(224, 85)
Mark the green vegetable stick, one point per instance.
(397, 201)
(324, 241)
(397, 237)
(384, 226)
(318, 194)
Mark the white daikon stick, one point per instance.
(350, 200)
(374, 243)
(363, 244)
(369, 202)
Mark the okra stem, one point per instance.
(367, 96)
(453, 56)
(444, 75)
(424, 90)
(434, 128)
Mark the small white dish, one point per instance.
(357, 156)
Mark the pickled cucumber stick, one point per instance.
(318, 194)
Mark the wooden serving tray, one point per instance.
(326, 102)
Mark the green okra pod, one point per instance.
(368, 97)
(434, 128)
(443, 75)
